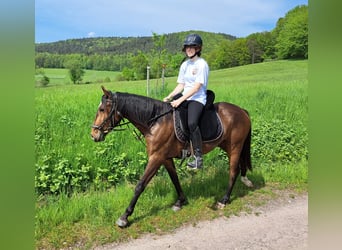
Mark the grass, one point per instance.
(86, 220)
(60, 77)
(274, 93)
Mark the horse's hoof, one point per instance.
(122, 223)
(179, 204)
(176, 208)
(220, 205)
(246, 181)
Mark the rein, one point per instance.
(113, 126)
(158, 116)
(121, 123)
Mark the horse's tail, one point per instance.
(245, 156)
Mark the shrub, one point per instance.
(44, 81)
(277, 141)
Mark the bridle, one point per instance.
(113, 110)
(120, 123)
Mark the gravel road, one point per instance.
(280, 224)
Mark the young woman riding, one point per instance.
(193, 81)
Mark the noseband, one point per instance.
(110, 117)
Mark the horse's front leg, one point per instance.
(150, 171)
(170, 167)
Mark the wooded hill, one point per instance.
(131, 55)
(125, 45)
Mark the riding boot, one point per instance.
(196, 140)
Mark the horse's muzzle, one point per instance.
(97, 135)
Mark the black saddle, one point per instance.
(210, 123)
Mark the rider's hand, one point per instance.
(167, 99)
(176, 103)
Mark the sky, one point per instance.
(57, 20)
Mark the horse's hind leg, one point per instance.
(234, 171)
(244, 178)
(170, 167)
(245, 160)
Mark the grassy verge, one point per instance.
(88, 219)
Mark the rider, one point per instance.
(193, 81)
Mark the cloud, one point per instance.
(91, 34)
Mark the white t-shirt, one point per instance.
(195, 72)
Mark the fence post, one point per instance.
(163, 77)
(148, 81)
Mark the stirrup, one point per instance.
(197, 163)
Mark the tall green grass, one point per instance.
(95, 181)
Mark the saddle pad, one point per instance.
(210, 125)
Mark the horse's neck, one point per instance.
(136, 114)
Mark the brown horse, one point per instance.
(154, 119)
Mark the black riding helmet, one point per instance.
(193, 40)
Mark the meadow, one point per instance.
(82, 187)
(60, 77)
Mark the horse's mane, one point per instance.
(141, 109)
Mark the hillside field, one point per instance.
(82, 187)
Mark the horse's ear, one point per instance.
(105, 91)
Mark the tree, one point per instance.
(267, 41)
(128, 74)
(158, 60)
(254, 50)
(75, 71)
(292, 39)
(45, 81)
(158, 53)
(140, 63)
(259, 45)
(220, 57)
(240, 52)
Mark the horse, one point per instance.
(154, 119)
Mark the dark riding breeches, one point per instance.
(194, 112)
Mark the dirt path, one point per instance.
(281, 224)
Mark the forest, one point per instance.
(131, 55)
